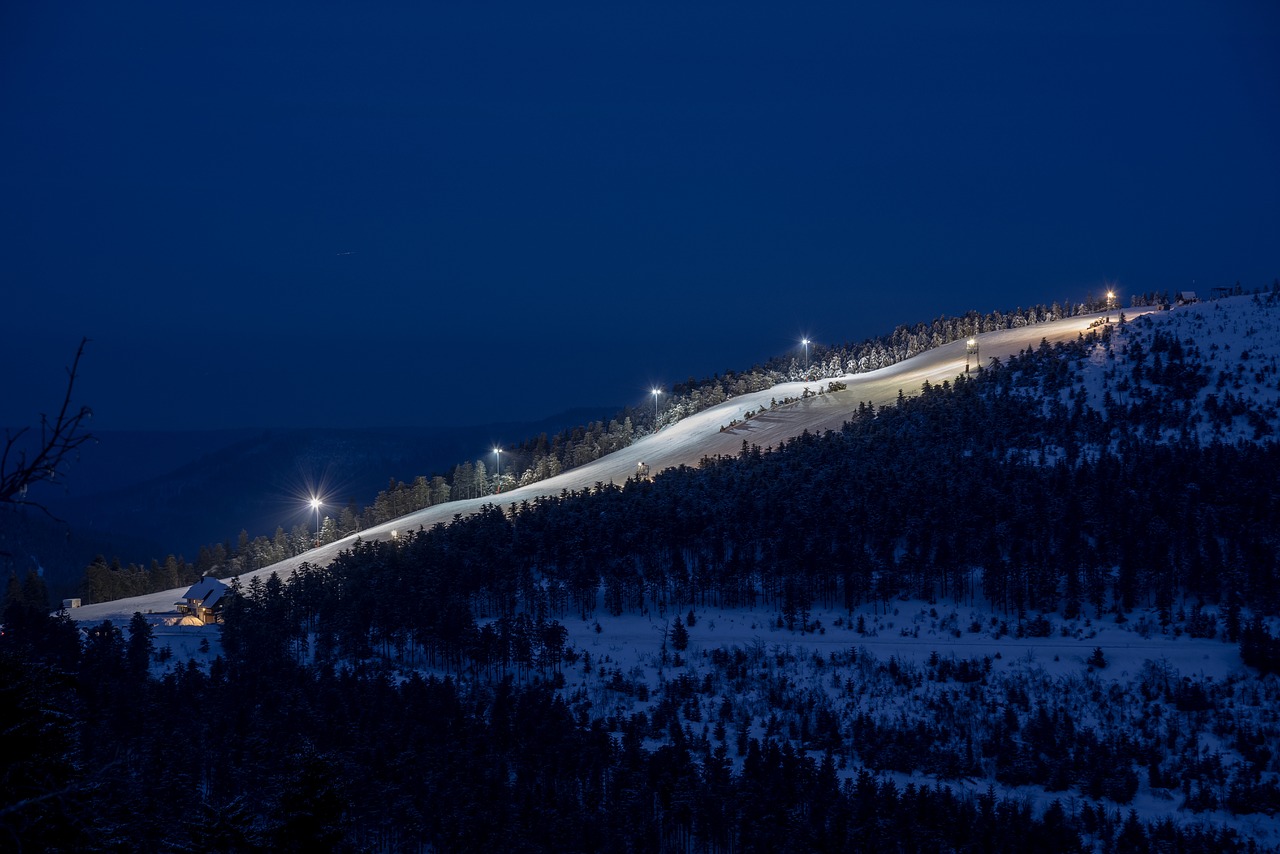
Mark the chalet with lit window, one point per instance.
(204, 600)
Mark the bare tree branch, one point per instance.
(22, 465)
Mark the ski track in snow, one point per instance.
(686, 442)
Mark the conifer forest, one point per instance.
(469, 686)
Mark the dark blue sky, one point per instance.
(367, 214)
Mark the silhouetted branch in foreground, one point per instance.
(25, 463)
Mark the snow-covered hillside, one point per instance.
(1105, 703)
(1236, 339)
(696, 437)
(1233, 344)
(928, 691)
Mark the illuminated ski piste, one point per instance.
(687, 442)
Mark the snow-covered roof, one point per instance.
(216, 595)
(207, 590)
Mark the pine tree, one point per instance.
(679, 635)
(439, 490)
(348, 523)
(34, 591)
(463, 482)
(140, 646)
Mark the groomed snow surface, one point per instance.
(688, 441)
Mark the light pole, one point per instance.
(315, 505)
(655, 392)
(1111, 300)
(497, 453)
(805, 342)
(971, 349)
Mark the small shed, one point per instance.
(204, 600)
(1186, 298)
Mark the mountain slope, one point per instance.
(698, 436)
(1046, 584)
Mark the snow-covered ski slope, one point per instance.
(688, 441)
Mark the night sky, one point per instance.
(271, 215)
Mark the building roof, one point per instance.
(216, 596)
(207, 590)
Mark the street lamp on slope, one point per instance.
(315, 505)
(497, 454)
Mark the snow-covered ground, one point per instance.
(1234, 341)
(889, 666)
(882, 664)
(816, 668)
(688, 441)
